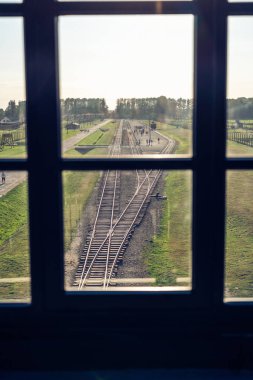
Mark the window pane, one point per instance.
(14, 238)
(137, 74)
(240, 87)
(12, 94)
(127, 229)
(239, 235)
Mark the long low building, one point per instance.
(7, 124)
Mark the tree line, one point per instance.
(163, 108)
(81, 106)
(160, 108)
(13, 111)
(240, 109)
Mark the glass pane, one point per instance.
(12, 94)
(14, 238)
(127, 229)
(240, 87)
(239, 235)
(105, 78)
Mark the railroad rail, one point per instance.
(113, 228)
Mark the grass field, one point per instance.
(103, 136)
(14, 245)
(67, 134)
(18, 151)
(78, 187)
(235, 149)
(168, 255)
(14, 251)
(182, 136)
(239, 234)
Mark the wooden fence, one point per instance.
(17, 135)
(241, 138)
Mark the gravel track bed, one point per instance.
(133, 264)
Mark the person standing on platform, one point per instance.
(3, 178)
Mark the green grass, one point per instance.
(78, 187)
(14, 244)
(236, 149)
(103, 136)
(239, 234)
(239, 225)
(13, 208)
(67, 134)
(183, 137)
(13, 152)
(14, 248)
(168, 254)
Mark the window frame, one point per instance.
(208, 164)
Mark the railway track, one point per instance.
(113, 228)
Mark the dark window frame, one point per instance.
(209, 164)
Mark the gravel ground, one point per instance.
(133, 264)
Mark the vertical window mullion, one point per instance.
(219, 151)
(43, 147)
(203, 223)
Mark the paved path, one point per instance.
(15, 178)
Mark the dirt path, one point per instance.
(13, 179)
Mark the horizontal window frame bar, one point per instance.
(125, 8)
(142, 301)
(11, 10)
(121, 8)
(239, 163)
(126, 164)
(240, 9)
(239, 302)
(113, 301)
(179, 163)
(13, 164)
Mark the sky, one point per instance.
(126, 56)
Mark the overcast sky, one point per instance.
(126, 56)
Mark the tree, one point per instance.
(12, 111)
(1, 114)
